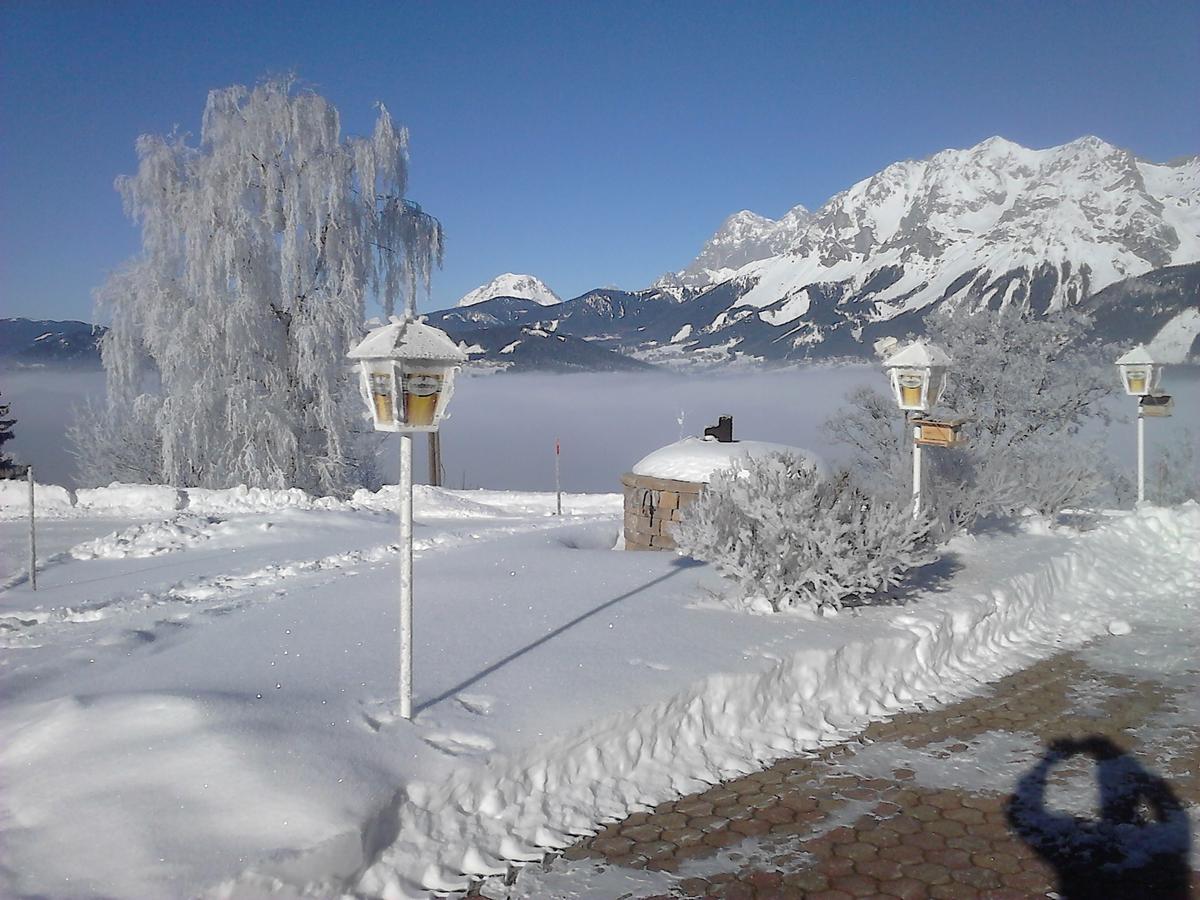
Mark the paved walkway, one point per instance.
(1039, 786)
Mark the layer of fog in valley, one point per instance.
(502, 429)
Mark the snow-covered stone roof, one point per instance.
(695, 459)
(411, 339)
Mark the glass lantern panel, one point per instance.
(1137, 380)
(937, 386)
(911, 383)
(381, 387)
(421, 391)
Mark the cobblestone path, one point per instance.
(923, 805)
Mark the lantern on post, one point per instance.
(407, 370)
(918, 377)
(1140, 376)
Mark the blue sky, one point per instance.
(590, 144)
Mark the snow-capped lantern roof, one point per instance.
(1140, 372)
(919, 354)
(407, 371)
(918, 375)
(409, 339)
(1139, 355)
(695, 459)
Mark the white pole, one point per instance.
(32, 534)
(1141, 456)
(557, 483)
(916, 472)
(406, 566)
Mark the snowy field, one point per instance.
(200, 697)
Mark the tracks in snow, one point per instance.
(225, 593)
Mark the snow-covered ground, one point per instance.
(199, 699)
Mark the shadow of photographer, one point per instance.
(1138, 846)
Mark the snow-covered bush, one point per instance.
(782, 533)
(1026, 385)
(260, 244)
(1173, 477)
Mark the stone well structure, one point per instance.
(652, 507)
(663, 484)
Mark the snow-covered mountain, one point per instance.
(995, 224)
(992, 225)
(42, 342)
(525, 287)
(744, 237)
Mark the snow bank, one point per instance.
(48, 499)
(131, 498)
(147, 539)
(242, 499)
(54, 501)
(695, 459)
(431, 502)
(517, 807)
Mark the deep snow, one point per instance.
(201, 699)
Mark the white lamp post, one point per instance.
(407, 370)
(918, 377)
(1140, 376)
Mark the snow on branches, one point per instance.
(795, 540)
(1026, 384)
(259, 246)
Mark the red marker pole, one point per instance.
(557, 483)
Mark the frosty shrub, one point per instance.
(126, 450)
(260, 244)
(782, 533)
(1174, 475)
(1027, 385)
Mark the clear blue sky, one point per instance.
(590, 144)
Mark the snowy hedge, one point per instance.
(791, 539)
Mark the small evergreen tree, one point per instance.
(781, 533)
(6, 435)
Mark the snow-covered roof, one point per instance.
(695, 459)
(918, 353)
(408, 339)
(1138, 356)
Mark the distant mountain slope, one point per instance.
(1160, 308)
(43, 342)
(529, 348)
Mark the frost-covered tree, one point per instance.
(125, 447)
(260, 245)
(1027, 385)
(794, 540)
